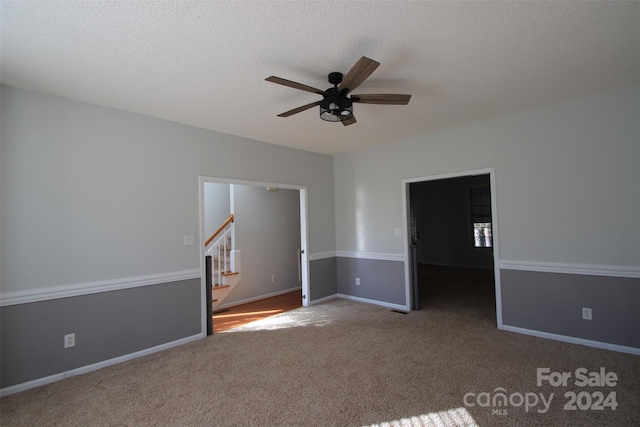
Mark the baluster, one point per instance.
(226, 241)
(219, 267)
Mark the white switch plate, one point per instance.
(189, 240)
(398, 231)
(586, 313)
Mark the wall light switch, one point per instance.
(189, 240)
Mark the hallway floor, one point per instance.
(239, 315)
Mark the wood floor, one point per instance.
(239, 315)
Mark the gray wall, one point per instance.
(323, 277)
(217, 206)
(90, 184)
(107, 325)
(108, 195)
(443, 220)
(566, 178)
(267, 231)
(93, 195)
(380, 280)
(566, 181)
(552, 302)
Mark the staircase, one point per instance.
(224, 262)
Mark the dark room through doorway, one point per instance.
(451, 236)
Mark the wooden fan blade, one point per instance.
(351, 120)
(358, 73)
(289, 83)
(382, 98)
(299, 109)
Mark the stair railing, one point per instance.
(218, 245)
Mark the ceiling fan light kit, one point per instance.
(336, 106)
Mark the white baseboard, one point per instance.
(84, 369)
(258, 298)
(375, 302)
(325, 299)
(573, 340)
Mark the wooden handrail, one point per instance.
(226, 222)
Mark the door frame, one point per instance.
(304, 235)
(494, 230)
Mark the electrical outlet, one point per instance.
(357, 281)
(189, 240)
(398, 231)
(586, 313)
(273, 278)
(69, 340)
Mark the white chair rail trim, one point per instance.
(322, 255)
(581, 269)
(37, 295)
(355, 254)
(370, 255)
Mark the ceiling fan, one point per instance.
(335, 105)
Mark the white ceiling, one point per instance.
(204, 63)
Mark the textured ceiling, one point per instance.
(204, 63)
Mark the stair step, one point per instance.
(230, 273)
(221, 286)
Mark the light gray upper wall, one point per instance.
(267, 233)
(92, 193)
(217, 206)
(566, 176)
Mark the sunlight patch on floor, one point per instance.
(291, 319)
(458, 417)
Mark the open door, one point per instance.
(413, 252)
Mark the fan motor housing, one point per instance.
(335, 78)
(335, 106)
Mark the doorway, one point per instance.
(451, 250)
(266, 216)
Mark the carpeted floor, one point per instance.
(342, 363)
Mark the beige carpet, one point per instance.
(340, 363)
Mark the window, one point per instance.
(480, 209)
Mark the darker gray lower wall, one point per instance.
(379, 280)
(322, 277)
(107, 325)
(552, 302)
